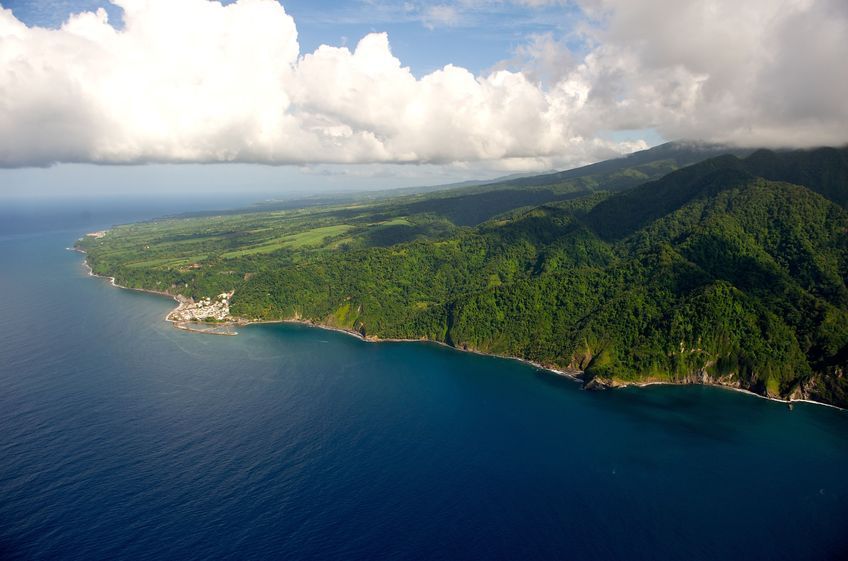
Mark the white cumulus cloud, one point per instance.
(195, 81)
(758, 72)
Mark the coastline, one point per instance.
(111, 280)
(730, 388)
(176, 324)
(575, 376)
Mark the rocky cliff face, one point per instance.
(823, 388)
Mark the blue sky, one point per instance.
(477, 39)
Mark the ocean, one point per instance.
(124, 438)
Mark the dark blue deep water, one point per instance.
(123, 438)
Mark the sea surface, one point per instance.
(124, 438)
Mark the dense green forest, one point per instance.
(675, 264)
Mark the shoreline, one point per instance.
(730, 388)
(575, 376)
(176, 324)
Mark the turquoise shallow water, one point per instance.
(123, 438)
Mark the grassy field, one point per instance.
(315, 237)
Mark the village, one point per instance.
(205, 309)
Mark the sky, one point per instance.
(175, 96)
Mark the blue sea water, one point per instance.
(123, 438)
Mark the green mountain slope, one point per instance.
(824, 171)
(473, 205)
(726, 271)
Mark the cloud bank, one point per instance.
(195, 81)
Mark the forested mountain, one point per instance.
(728, 271)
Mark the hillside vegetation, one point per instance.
(727, 271)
